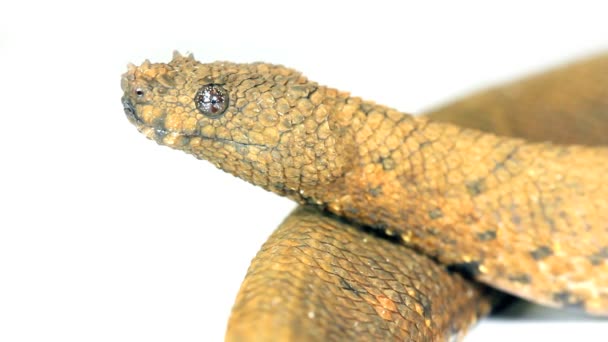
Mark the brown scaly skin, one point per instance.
(320, 279)
(566, 106)
(527, 218)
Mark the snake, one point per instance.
(409, 227)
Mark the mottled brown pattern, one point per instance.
(530, 218)
(546, 203)
(320, 279)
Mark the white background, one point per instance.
(105, 236)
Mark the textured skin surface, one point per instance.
(320, 279)
(528, 218)
(566, 106)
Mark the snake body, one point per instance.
(516, 202)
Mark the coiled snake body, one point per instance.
(403, 218)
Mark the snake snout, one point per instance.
(129, 109)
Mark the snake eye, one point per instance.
(211, 100)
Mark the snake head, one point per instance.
(264, 123)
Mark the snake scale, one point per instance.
(407, 223)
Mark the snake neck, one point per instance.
(503, 209)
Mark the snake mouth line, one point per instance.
(160, 133)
